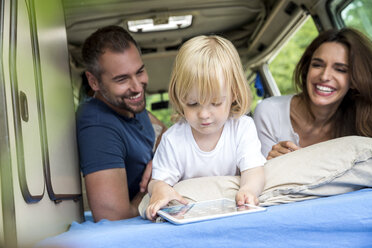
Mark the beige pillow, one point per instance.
(333, 167)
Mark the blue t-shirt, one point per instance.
(109, 140)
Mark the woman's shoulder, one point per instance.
(275, 101)
(273, 105)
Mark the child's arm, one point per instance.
(161, 194)
(251, 185)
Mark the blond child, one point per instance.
(213, 136)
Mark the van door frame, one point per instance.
(9, 238)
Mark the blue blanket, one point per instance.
(337, 221)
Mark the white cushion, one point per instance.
(332, 167)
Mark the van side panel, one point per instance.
(24, 85)
(8, 221)
(63, 178)
(40, 182)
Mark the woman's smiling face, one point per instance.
(328, 75)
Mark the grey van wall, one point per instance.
(39, 173)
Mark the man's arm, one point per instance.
(108, 196)
(146, 177)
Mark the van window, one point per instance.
(283, 64)
(358, 14)
(162, 113)
(256, 87)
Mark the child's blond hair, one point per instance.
(200, 63)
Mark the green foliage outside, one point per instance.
(163, 114)
(359, 15)
(283, 65)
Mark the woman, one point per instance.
(334, 78)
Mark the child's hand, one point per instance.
(161, 196)
(154, 206)
(245, 197)
(251, 184)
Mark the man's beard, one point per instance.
(120, 102)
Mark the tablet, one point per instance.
(205, 210)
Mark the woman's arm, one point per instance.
(274, 127)
(265, 127)
(282, 148)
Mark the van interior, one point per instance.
(41, 84)
(257, 28)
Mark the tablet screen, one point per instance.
(199, 211)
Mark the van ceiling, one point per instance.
(250, 24)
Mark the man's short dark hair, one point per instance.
(114, 38)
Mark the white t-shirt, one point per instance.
(273, 122)
(178, 156)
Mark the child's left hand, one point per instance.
(244, 196)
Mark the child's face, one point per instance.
(207, 120)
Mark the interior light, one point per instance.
(151, 25)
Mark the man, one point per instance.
(114, 130)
